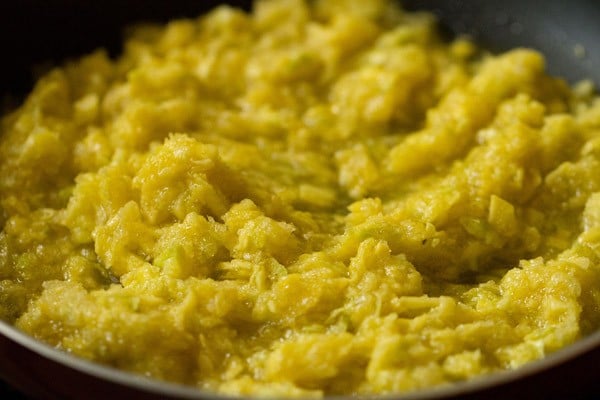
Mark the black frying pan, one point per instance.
(38, 32)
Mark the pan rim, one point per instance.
(174, 390)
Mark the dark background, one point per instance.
(7, 392)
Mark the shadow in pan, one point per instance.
(38, 32)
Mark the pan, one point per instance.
(50, 31)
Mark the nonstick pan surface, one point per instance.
(36, 33)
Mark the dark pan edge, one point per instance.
(468, 389)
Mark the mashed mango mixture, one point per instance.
(313, 198)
